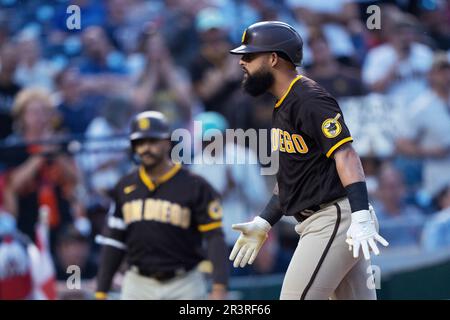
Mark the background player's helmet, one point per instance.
(149, 125)
(272, 36)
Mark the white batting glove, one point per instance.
(253, 235)
(362, 234)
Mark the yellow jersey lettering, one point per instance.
(288, 143)
(175, 215)
(149, 210)
(132, 211)
(165, 211)
(281, 137)
(299, 143)
(274, 139)
(156, 210)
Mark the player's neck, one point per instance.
(282, 83)
(159, 170)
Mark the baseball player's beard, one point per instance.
(157, 159)
(258, 83)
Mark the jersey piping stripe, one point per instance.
(337, 145)
(145, 179)
(209, 226)
(324, 254)
(110, 242)
(167, 176)
(116, 223)
(279, 102)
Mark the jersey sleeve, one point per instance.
(322, 120)
(114, 234)
(208, 208)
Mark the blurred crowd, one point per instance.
(67, 97)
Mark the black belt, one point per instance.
(305, 213)
(163, 275)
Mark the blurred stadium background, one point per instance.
(66, 98)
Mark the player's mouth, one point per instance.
(147, 156)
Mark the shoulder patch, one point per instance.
(331, 127)
(215, 210)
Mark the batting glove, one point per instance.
(362, 233)
(253, 235)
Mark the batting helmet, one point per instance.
(272, 36)
(149, 125)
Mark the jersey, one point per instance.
(307, 127)
(161, 223)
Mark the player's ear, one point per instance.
(273, 59)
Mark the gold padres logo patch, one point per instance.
(144, 124)
(215, 210)
(331, 128)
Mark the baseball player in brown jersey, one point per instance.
(320, 180)
(160, 215)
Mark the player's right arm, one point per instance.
(113, 249)
(254, 233)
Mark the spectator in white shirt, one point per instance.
(426, 132)
(398, 67)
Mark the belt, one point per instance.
(305, 213)
(162, 275)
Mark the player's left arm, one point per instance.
(349, 168)
(362, 232)
(216, 253)
(208, 213)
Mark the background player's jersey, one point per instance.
(307, 127)
(161, 224)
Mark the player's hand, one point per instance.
(253, 235)
(363, 234)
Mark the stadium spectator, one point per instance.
(215, 73)
(76, 105)
(44, 174)
(426, 132)
(162, 86)
(339, 19)
(33, 69)
(73, 249)
(336, 78)
(106, 149)
(177, 22)
(99, 55)
(436, 18)
(436, 233)
(16, 281)
(398, 67)
(400, 223)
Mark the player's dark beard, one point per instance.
(157, 159)
(258, 83)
